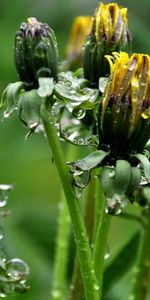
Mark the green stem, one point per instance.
(100, 243)
(61, 253)
(99, 206)
(142, 270)
(62, 242)
(76, 290)
(80, 234)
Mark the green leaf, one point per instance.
(145, 164)
(10, 97)
(29, 109)
(46, 86)
(121, 263)
(91, 161)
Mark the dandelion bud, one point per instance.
(80, 29)
(124, 124)
(35, 52)
(109, 33)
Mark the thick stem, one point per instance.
(61, 252)
(83, 248)
(100, 243)
(62, 243)
(76, 290)
(142, 270)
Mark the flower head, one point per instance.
(109, 33)
(125, 110)
(35, 52)
(80, 29)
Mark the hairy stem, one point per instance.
(83, 248)
(142, 269)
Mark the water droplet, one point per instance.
(21, 287)
(2, 258)
(6, 187)
(56, 108)
(79, 113)
(143, 181)
(113, 205)
(1, 232)
(107, 254)
(72, 92)
(112, 172)
(3, 295)
(56, 294)
(96, 287)
(132, 65)
(78, 192)
(33, 125)
(5, 289)
(17, 269)
(3, 202)
(79, 140)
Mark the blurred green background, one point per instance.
(30, 230)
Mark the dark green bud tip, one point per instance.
(35, 52)
(109, 33)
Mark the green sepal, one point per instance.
(147, 147)
(29, 109)
(46, 87)
(10, 97)
(145, 164)
(142, 195)
(91, 161)
(122, 176)
(107, 181)
(135, 180)
(114, 201)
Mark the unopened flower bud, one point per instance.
(80, 29)
(35, 52)
(124, 124)
(109, 33)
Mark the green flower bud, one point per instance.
(109, 33)
(35, 52)
(124, 123)
(74, 52)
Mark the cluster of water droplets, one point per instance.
(13, 272)
(115, 204)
